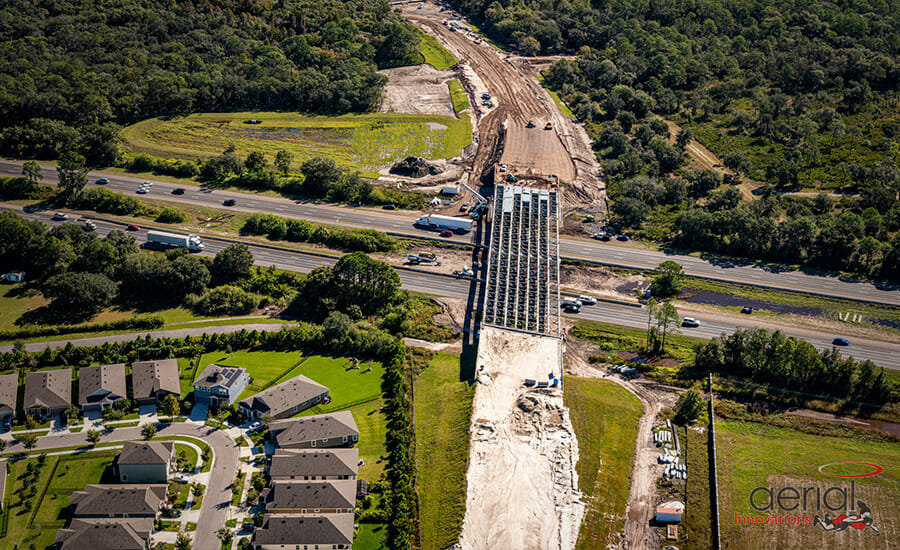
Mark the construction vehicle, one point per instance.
(422, 258)
(191, 242)
(464, 273)
(530, 124)
(548, 126)
(436, 221)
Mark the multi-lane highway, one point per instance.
(570, 248)
(886, 354)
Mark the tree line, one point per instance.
(74, 72)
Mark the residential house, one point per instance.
(9, 394)
(153, 380)
(220, 385)
(336, 429)
(47, 392)
(310, 497)
(285, 399)
(106, 534)
(144, 461)
(325, 531)
(101, 386)
(118, 501)
(333, 464)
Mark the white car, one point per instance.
(60, 216)
(181, 478)
(254, 426)
(143, 190)
(147, 184)
(587, 300)
(690, 322)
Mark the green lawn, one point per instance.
(752, 454)
(186, 375)
(605, 418)
(16, 299)
(69, 473)
(434, 54)
(372, 433)
(365, 142)
(458, 96)
(369, 536)
(442, 410)
(266, 368)
(207, 464)
(697, 525)
(348, 386)
(190, 455)
(181, 493)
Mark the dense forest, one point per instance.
(790, 94)
(74, 71)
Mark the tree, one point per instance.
(667, 280)
(684, 137)
(233, 263)
(319, 174)
(33, 173)
(369, 283)
(29, 440)
(93, 436)
(182, 542)
(667, 321)
(255, 162)
(2, 445)
(197, 489)
(283, 160)
(266, 418)
(72, 172)
(630, 211)
(170, 406)
(225, 535)
(689, 406)
(81, 293)
(148, 431)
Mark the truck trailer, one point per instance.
(191, 242)
(436, 221)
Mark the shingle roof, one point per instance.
(145, 452)
(48, 388)
(219, 375)
(151, 377)
(297, 463)
(102, 377)
(118, 500)
(324, 529)
(104, 535)
(292, 495)
(9, 390)
(284, 396)
(309, 428)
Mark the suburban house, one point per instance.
(105, 534)
(9, 393)
(336, 429)
(220, 385)
(144, 461)
(325, 531)
(285, 399)
(47, 392)
(153, 380)
(118, 501)
(101, 386)
(310, 497)
(333, 464)
(112, 517)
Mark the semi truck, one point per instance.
(191, 242)
(436, 221)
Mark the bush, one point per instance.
(171, 215)
(166, 167)
(104, 200)
(226, 299)
(124, 324)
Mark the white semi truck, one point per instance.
(191, 242)
(436, 221)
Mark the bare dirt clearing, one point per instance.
(420, 89)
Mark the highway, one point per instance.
(886, 354)
(613, 254)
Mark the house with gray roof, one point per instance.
(144, 461)
(299, 464)
(220, 385)
(326, 531)
(101, 386)
(310, 497)
(47, 392)
(337, 429)
(285, 399)
(118, 501)
(153, 380)
(105, 534)
(9, 394)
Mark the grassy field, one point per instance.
(697, 524)
(264, 367)
(614, 338)
(369, 536)
(190, 454)
(754, 454)
(443, 405)
(16, 299)
(434, 54)
(59, 477)
(366, 142)
(605, 418)
(458, 96)
(372, 433)
(348, 386)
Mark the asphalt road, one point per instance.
(217, 496)
(886, 354)
(613, 254)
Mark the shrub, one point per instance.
(104, 200)
(171, 215)
(226, 299)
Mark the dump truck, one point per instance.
(436, 221)
(191, 242)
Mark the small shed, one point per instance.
(362, 488)
(669, 512)
(451, 190)
(15, 276)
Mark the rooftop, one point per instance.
(219, 375)
(309, 428)
(145, 452)
(294, 462)
(48, 388)
(311, 495)
(324, 529)
(91, 380)
(114, 500)
(151, 377)
(284, 396)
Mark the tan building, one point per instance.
(47, 392)
(285, 399)
(144, 461)
(337, 429)
(311, 465)
(9, 393)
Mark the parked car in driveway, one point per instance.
(840, 342)
(690, 322)
(254, 426)
(60, 216)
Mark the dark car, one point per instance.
(229, 202)
(102, 181)
(622, 238)
(178, 191)
(840, 342)
(446, 233)
(388, 207)
(747, 309)
(248, 527)
(133, 227)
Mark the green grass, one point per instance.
(365, 142)
(190, 454)
(605, 417)
(563, 108)
(614, 338)
(186, 375)
(752, 454)
(369, 536)
(442, 409)
(458, 96)
(372, 433)
(348, 386)
(207, 464)
(171, 525)
(264, 367)
(697, 522)
(16, 299)
(434, 54)
(180, 490)
(238, 482)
